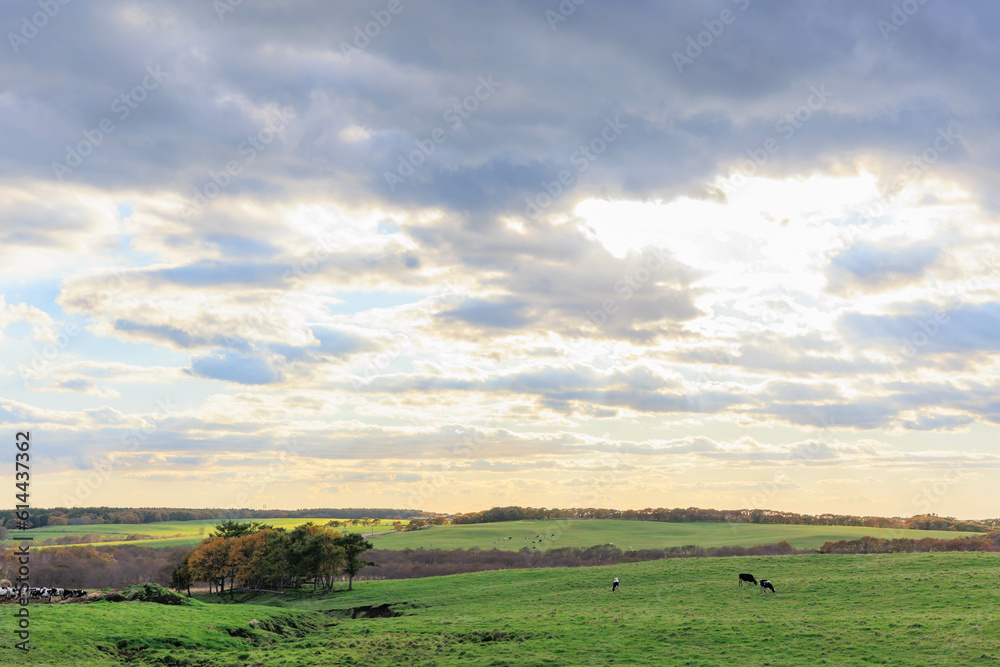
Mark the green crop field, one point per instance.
(636, 534)
(170, 533)
(899, 609)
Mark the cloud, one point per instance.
(234, 367)
(866, 267)
(533, 281)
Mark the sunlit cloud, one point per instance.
(458, 275)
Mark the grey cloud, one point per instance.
(866, 267)
(233, 367)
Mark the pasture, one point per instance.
(898, 609)
(171, 533)
(637, 534)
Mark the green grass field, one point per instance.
(558, 533)
(899, 609)
(637, 534)
(165, 533)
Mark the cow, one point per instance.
(58, 592)
(7, 593)
(615, 584)
(747, 578)
(765, 585)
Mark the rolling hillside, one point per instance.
(901, 609)
(546, 535)
(170, 533)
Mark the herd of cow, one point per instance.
(8, 594)
(765, 585)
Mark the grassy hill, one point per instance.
(900, 609)
(557, 533)
(170, 533)
(637, 534)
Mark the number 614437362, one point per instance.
(22, 473)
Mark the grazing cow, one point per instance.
(747, 578)
(615, 584)
(77, 593)
(765, 585)
(7, 593)
(58, 592)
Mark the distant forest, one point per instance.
(680, 515)
(87, 516)
(80, 516)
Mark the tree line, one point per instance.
(689, 514)
(85, 516)
(255, 556)
(92, 567)
(61, 516)
(878, 545)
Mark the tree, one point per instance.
(237, 529)
(210, 562)
(181, 578)
(353, 546)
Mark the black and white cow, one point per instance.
(747, 578)
(615, 584)
(765, 585)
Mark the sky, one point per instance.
(721, 254)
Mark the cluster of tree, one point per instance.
(412, 563)
(85, 516)
(254, 556)
(92, 567)
(876, 545)
(92, 538)
(923, 521)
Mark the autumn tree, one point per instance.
(210, 562)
